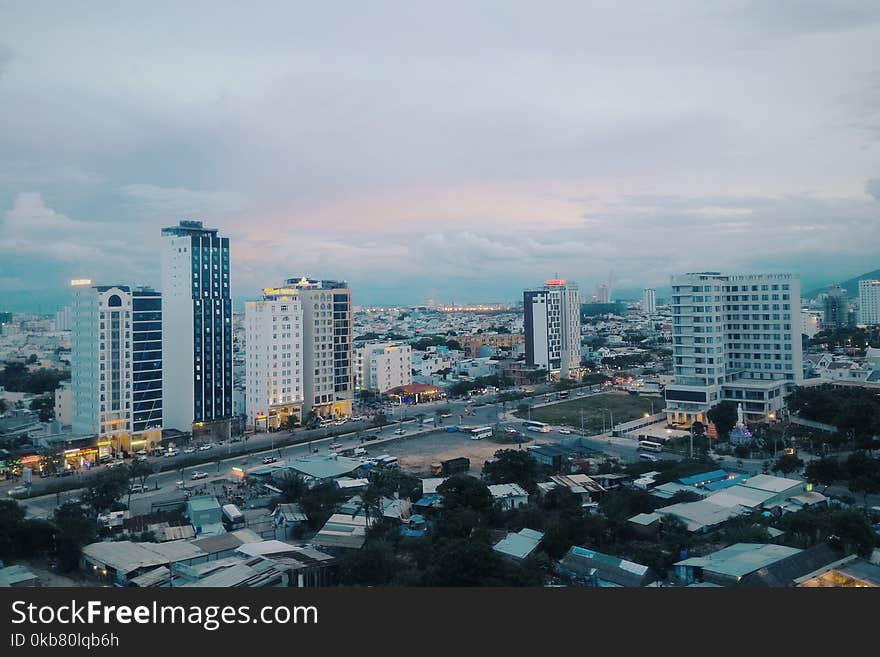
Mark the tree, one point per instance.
(698, 429)
(311, 420)
(106, 488)
(375, 564)
(512, 466)
(724, 416)
(380, 419)
(293, 487)
(823, 472)
(138, 471)
(74, 529)
(787, 463)
(453, 345)
(11, 519)
(464, 491)
(536, 376)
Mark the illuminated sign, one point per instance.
(556, 281)
(77, 282)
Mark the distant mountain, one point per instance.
(851, 286)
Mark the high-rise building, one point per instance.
(116, 364)
(552, 321)
(146, 359)
(197, 325)
(869, 301)
(603, 293)
(649, 301)
(328, 386)
(836, 308)
(63, 319)
(274, 358)
(382, 367)
(737, 338)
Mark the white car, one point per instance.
(189, 450)
(137, 488)
(357, 418)
(199, 475)
(511, 430)
(359, 451)
(565, 431)
(334, 446)
(339, 423)
(205, 447)
(171, 452)
(18, 490)
(400, 432)
(269, 459)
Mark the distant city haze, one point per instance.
(459, 152)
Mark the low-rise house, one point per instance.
(582, 486)
(205, 514)
(753, 565)
(519, 545)
(645, 524)
(509, 496)
(343, 531)
(121, 561)
(850, 572)
(289, 517)
(17, 576)
(585, 567)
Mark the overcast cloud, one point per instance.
(457, 151)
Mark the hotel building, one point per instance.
(736, 338)
(552, 321)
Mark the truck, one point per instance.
(451, 466)
(233, 518)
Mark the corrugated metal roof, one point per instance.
(771, 483)
(519, 545)
(741, 559)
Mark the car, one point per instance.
(114, 464)
(199, 475)
(205, 447)
(17, 490)
(400, 432)
(171, 452)
(649, 457)
(357, 418)
(339, 423)
(140, 458)
(180, 485)
(189, 450)
(137, 488)
(141, 452)
(511, 430)
(445, 415)
(372, 436)
(237, 439)
(359, 451)
(334, 446)
(65, 473)
(565, 431)
(270, 459)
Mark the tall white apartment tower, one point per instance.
(274, 358)
(737, 338)
(649, 301)
(552, 321)
(869, 301)
(197, 325)
(328, 372)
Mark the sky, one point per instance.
(457, 151)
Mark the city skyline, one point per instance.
(452, 152)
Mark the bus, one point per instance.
(532, 425)
(481, 432)
(233, 518)
(389, 462)
(648, 446)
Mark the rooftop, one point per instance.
(519, 545)
(740, 559)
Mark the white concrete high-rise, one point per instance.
(869, 302)
(737, 338)
(649, 301)
(328, 372)
(274, 358)
(197, 325)
(383, 366)
(552, 321)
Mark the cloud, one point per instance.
(170, 202)
(872, 187)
